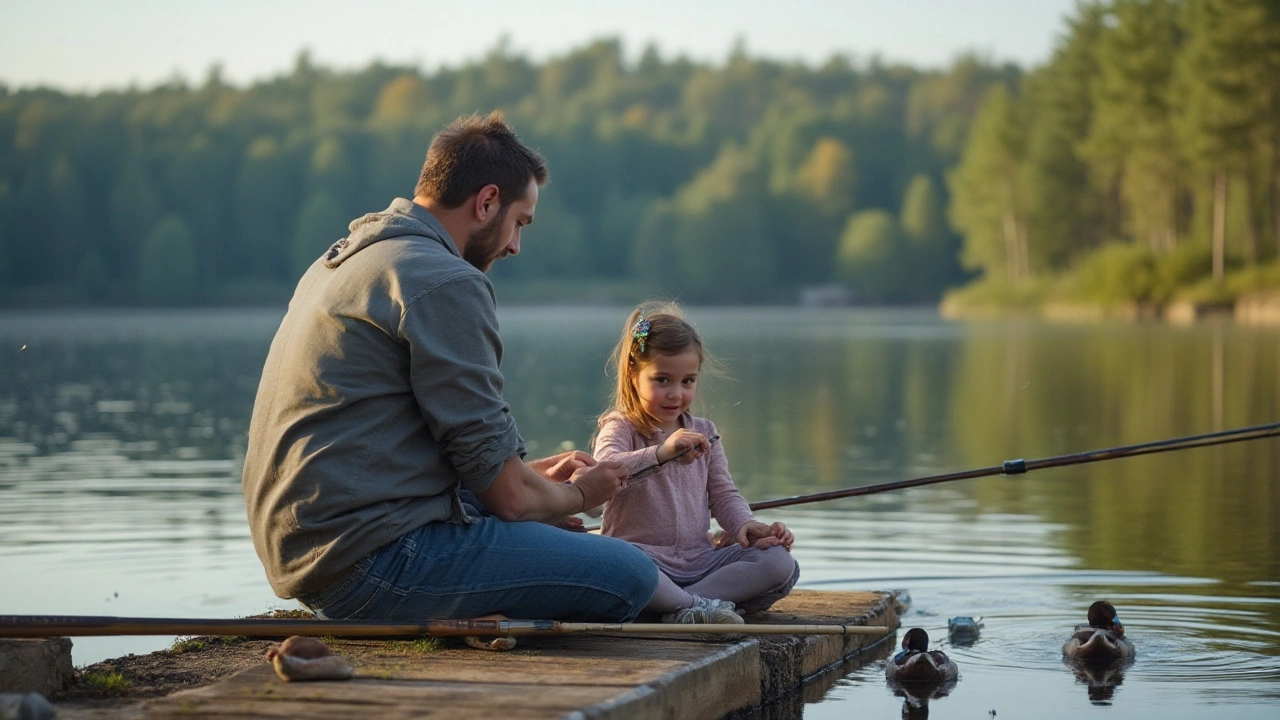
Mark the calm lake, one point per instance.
(122, 435)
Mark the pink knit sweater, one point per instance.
(668, 514)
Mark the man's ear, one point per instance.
(486, 203)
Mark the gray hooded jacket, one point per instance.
(380, 396)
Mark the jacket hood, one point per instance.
(402, 218)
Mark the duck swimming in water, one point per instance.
(916, 663)
(1102, 639)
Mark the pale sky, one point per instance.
(90, 45)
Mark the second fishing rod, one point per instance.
(1021, 466)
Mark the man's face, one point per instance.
(500, 236)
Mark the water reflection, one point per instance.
(1101, 678)
(916, 696)
(122, 435)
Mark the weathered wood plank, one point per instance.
(257, 692)
(622, 677)
(624, 687)
(544, 661)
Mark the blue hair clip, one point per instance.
(640, 332)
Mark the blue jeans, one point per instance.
(524, 570)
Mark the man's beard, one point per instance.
(484, 245)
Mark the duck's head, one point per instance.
(1102, 614)
(916, 640)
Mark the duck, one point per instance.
(917, 663)
(1102, 639)
(964, 630)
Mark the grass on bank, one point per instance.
(108, 683)
(996, 296)
(185, 645)
(418, 646)
(1120, 276)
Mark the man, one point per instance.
(380, 414)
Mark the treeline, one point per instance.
(748, 181)
(1140, 164)
(726, 183)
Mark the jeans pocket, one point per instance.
(330, 602)
(354, 604)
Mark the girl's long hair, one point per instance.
(669, 334)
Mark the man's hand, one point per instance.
(561, 467)
(521, 493)
(760, 536)
(600, 482)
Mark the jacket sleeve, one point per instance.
(728, 507)
(455, 352)
(617, 440)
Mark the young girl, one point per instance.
(666, 510)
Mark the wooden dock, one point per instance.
(578, 676)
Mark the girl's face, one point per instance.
(667, 386)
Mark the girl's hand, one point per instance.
(572, 523)
(680, 440)
(561, 467)
(760, 536)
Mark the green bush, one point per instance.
(1230, 288)
(182, 646)
(109, 683)
(1208, 291)
(1263, 277)
(1113, 274)
(986, 294)
(1187, 265)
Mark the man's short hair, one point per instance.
(472, 152)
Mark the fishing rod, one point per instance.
(36, 626)
(1019, 467)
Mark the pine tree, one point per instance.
(1227, 87)
(1064, 209)
(1131, 143)
(985, 202)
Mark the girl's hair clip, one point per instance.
(640, 332)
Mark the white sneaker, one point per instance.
(705, 611)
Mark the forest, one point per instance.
(1139, 164)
